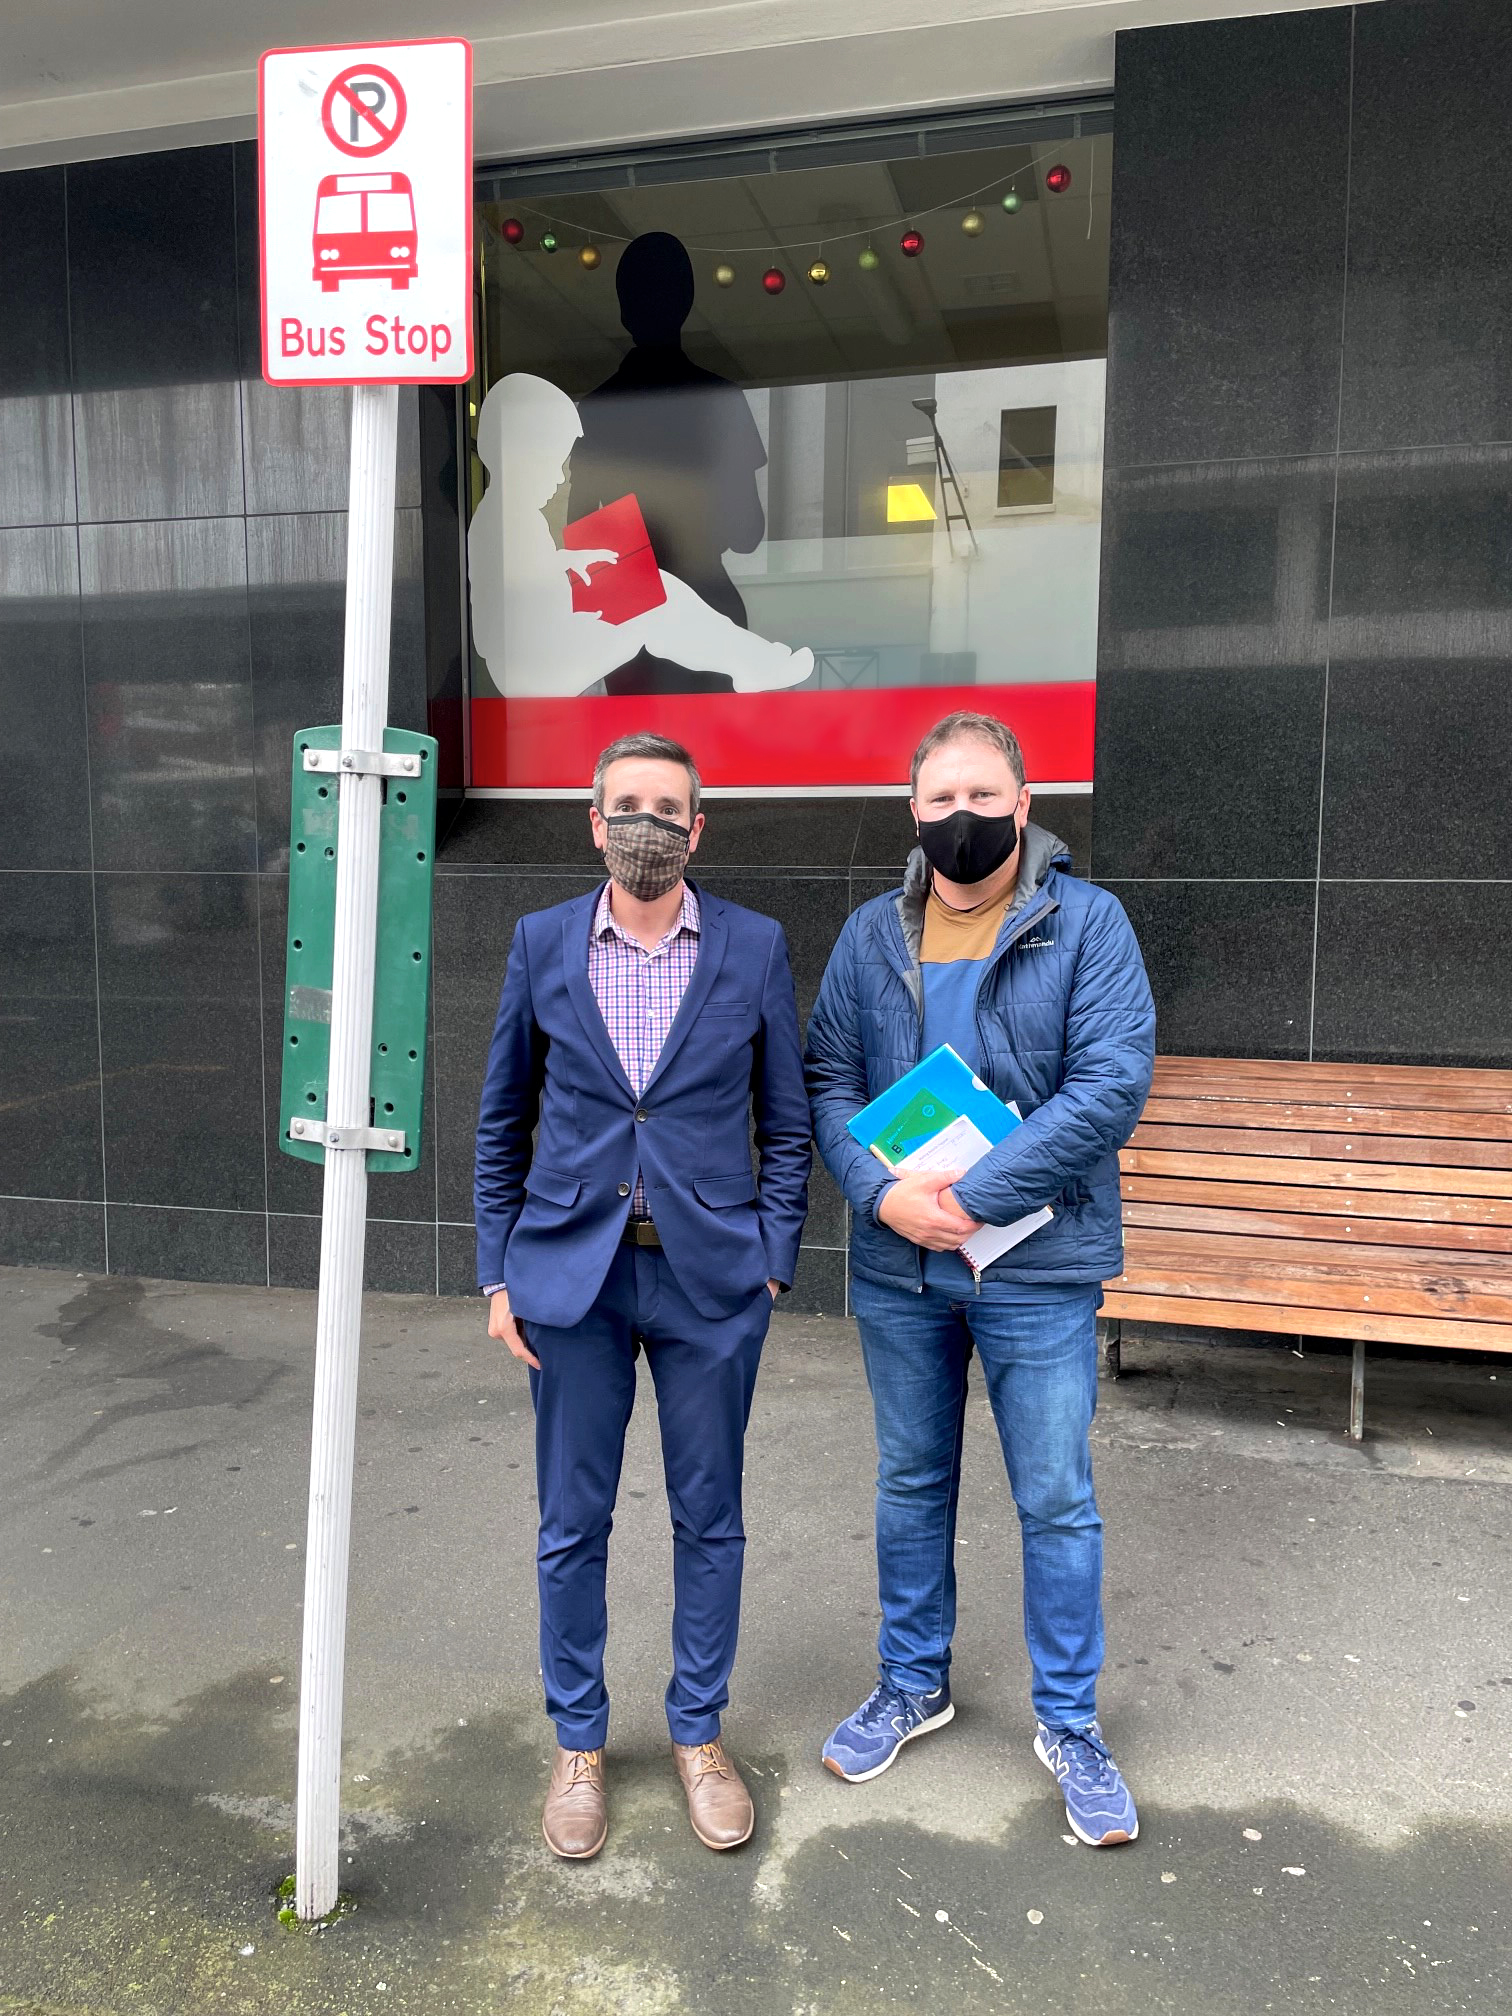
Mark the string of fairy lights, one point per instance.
(973, 221)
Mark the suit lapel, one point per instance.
(713, 934)
(576, 927)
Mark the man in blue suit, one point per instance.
(640, 1028)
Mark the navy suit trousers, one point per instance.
(704, 1370)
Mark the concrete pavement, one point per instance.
(1309, 1686)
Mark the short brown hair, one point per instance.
(968, 727)
(653, 749)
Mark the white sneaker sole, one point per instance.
(860, 1777)
(1116, 1839)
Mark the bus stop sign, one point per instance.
(365, 192)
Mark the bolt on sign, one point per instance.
(365, 182)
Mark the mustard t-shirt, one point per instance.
(956, 942)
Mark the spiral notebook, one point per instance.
(940, 1115)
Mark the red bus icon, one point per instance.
(365, 230)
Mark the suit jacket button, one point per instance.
(624, 1189)
(642, 1115)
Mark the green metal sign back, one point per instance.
(406, 866)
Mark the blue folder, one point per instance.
(927, 1099)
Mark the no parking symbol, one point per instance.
(369, 102)
(365, 165)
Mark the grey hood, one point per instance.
(1042, 851)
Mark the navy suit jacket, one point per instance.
(549, 1223)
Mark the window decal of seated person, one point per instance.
(541, 634)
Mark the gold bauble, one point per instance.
(971, 223)
(724, 276)
(819, 272)
(590, 256)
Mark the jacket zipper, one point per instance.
(1025, 923)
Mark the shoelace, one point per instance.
(879, 1707)
(584, 1764)
(711, 1758)
(1088, 1758)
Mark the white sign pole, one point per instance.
(338, 1323)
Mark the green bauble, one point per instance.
(1011, 201)
(548, 241)
(869, 261)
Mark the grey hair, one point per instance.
(967, 727)
(654, 749)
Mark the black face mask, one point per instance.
(967, 847)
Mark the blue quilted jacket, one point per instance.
(1067, 1029)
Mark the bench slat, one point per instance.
(1446, 1333)
(1352, 1175)
(1313, 1119)
(1342, 1261)
(1387, 1232)
(1449, 1210)
(1290, 1091)
(1297, 1071)
(1362, 1147)
(1153, 1278)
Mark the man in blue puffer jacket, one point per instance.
(1036, 980)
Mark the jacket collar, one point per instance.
(1041, 853)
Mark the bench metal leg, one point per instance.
(1357, 1393)
(1112, 1343)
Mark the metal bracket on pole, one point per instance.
(363, 762)
(372, 1140)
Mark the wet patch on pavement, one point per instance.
(140, 1859)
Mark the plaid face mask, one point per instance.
(644, 854)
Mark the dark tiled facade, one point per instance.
(1303, 694)
(172, 560)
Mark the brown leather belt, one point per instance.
(641, 1232)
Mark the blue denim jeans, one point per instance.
(1038, 1349)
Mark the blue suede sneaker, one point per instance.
(868, 1741)
(1099, 1806)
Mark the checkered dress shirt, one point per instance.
(639, 994)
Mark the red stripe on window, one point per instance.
(744, 741)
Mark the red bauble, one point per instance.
(911, 244)
(1058, 179)
(774, 280)
(514, 230)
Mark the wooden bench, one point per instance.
(1371, 1202)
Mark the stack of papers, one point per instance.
(941, 1116)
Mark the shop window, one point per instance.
(1026, 459)
(785, 449)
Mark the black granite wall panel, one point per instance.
(172, 561)
(1303, 697)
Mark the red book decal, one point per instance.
(632, 583)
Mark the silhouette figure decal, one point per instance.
(543, 633)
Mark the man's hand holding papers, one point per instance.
(921, 1207)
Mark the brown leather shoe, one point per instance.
(576, 1819)
(719, 1805)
